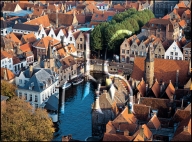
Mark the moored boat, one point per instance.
(78, 81)
(66, 85)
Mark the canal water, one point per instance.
(76, 119)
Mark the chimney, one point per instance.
(177, 79)
(126, 132)
(182, 104)
(30, 71)
(5, 74)
(57, 20)
(147, 87)
(162, 87)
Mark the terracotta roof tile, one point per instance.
(181, 115)
(62, 53)
(183, 41)
(188, 108)
(147, 132)
(130, 118)
(141, 111)
(16, 60)
(5, 54)
(181, 4)
(76, 34)
(154, 123)
(10, 74)
(170, 90)
(124, 126)
(164, 70)
(139, 138)
(31, 38)
(166, 17)
(38, 12)
(26, 47)
(45, 41)
(67, 62)
(188, 12)
(116, 137)
(13, 38)
(142, 88)
(188, 45)
(71, 48)
(44, 20)
(81, 18)
(102, 17)
(9, 7)
(110, 128)
(156, 89)
(182, 23)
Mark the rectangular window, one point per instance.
(186, 52)
(171, 57)
(81, 39)
(123, 51)
(133, 52)
(176, 58)
(43, 35)
(5, 66)
(155, 55)
(162, 56)
(51, 35)
(20, 81)
(167, 57)
(30, 97)
(36, 98)
(36, 106)
(125, 45)
(2, 62)
(176, 53)
(141, 53)
(42, 97)
(180, 58)
(159, 50)
(70, 38)
(171, 53)
(81, 46)
(9, 66)
(186, 58)
(25, 96)
(127, 51)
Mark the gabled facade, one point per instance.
(6, 60)
(7, 75)
(173, 52)
(11, 7)
(52, 33)
(159, 50)
(125, 51)
(187, 51)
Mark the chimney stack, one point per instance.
(126, 132)
(177, 79)
(141, 131)
(30, 70)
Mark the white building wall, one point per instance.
(7, 63)
(20, 80)
(25, 32)
(51, 32)
(6, 31)
(58, 37)
(41, 33)
(174, 52)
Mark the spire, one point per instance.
(150, 57)
(49, 52)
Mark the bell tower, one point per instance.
(50, 58)
(149, 67)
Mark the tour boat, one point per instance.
(66, 85)
(78, 81)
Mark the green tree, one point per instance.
(19, 122)
(8, 89)
(96, 40)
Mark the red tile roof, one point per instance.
(166, 17)
(38, 12)
(5, 54)
(16, 60)
(154, 123)
(182, 23)
(164, 70)
(31, 38)
(181, 115)
(62, 53)
(44, 42)
(116, 137)
(156, 89)
(170, 90)
(10, 74)
(141, 111)
(13, 37)
(44, 20)
(142, 88)
(181, 4)
(147, 132)
(26, 47)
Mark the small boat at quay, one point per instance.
(77, 81)
(66, 85)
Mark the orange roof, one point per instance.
(71, 48)
(76, 34)
(29, 38)
(62, 53)
(181, 4)
(154, 123)
(44, 20)
(170, 91)
(5, 54)
(188, 12)
(142, 87)
(10, 74)
(44, 42)
(26, 47)
(16, 60)
(188, 45)
(13, 37)
(130, 118)
(110, 128)
(156, 89)
(163, 69)
(38, 12)
(166, 17)
(147, 132)
(103, 16)
(182, 23)
(116, 137)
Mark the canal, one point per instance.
(76, 119)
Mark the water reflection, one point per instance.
(75, 112)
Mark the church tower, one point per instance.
(149, 67)
(50, 59)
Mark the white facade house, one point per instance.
(61, 35)
(18, 64)
(103, 6)
(6, 60)
(37, 86)
(52, 33)
(173, 52)
(42, 33)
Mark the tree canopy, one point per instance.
(130, 19)
(19, 122)
(8, 89)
